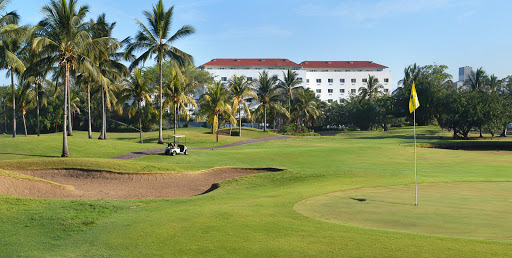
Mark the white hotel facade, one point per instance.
(330, 80)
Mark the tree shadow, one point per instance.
(28, 155)
(381, 201)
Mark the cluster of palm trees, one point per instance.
(283, 98)
(65, 49)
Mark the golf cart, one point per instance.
(175, 147)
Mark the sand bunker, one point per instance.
(107, 185)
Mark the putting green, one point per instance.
(479, 210)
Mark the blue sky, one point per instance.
(394, 33)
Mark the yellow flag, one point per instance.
(414, 103)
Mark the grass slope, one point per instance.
(247, 216)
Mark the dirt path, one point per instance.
(108, 185)
(138, 154)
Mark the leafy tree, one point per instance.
(241, 89)
(215, 102)
(155, 40)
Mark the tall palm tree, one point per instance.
(215, 102)
(11, 36)
(155, 40)
(289, 85)
(476, 80)
(268, 96)
(108, 63)
(137, 89)
(372, 90)
(179, 92)
(62, 38)
(411, 74)
(241, 89)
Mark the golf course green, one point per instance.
(303, 210)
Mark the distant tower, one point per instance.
(464, 73)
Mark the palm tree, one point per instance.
(155, 40)
(492, 83)
(214, 103)
(178, 92)
(476, 80)
(241, 89)
(11, 36)
(137, 89)
(62, 37)
(306, 107)
(411, 74)
(269, 96)
(107, 61)
(25, 100)
(372, 90)
(289, 85)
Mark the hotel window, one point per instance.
(353, 80)
(249, 79)
(325, 70)
(359, 70)
(386, 90)
(365, 80)
(353, 91)
(318, 80)
(232, 68)
(299, 79)
(307, 80)
(337, 70)
(329, 100)
(223, 79)
(330, 80)
(330, 90)
(313, 71)
(342, 91)
(386, 79)
(342, 80)
(318, 90)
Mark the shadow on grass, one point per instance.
(370, 200)
(28, 155)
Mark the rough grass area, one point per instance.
(470, 210)
(247, 216)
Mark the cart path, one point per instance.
(142, 153)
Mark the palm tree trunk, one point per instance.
(102, 133)
(217, 131)
(65, 152)
(5, 117)
(239, 120)
(290, 106)
(70, 132)
(160, 136)
(24, 123)
(89, 109)
(140, 123)
(178, 114)
(13, 105)
(175, 118)
(264, 119)
(37, 109)
(104, 114)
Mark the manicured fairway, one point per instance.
(249, 216)
(471, 210)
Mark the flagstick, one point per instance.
(415, 177)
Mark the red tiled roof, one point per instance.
(341, 64)
(251, 62)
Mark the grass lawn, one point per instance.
(247, 216)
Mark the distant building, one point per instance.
(464, 73)
(330, 80)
